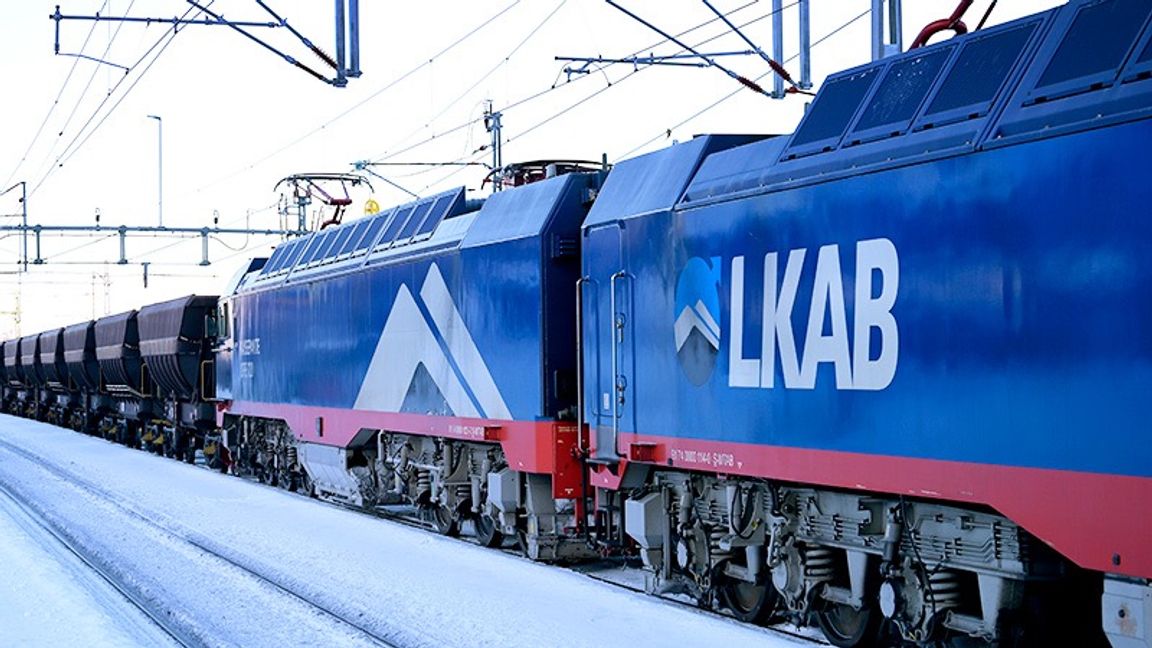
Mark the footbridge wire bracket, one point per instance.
(347, 36)
(887, 19)
(710, 62)
(696, 58)
(671, 60)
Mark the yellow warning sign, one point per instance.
(371, 207)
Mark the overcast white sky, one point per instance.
(237, 118)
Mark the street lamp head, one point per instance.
(156, 117)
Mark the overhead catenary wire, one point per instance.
(92, 241)
(632, 73)
(356, 106)
(554, 87)
(191, 239)
(163, 44)
(112, 234)
(55, 103)
(605, 88)
(84, 93)
(424, 168)
(666, 132)
(48, 163)
(295, 32)
(772, 63)
(85, 133)
(503, 60)
(602, 89)
(77, 143)
(987, 14)
(459, 167)
(81, 138)
(414, 70)
(255, 39)
(742, 80)
(539, 125)
(575, 105)
(604, 65)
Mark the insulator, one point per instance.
(819, 564)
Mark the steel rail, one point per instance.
(185, 537)
(44, 527)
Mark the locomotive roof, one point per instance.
(401, 228)
(433, 225)
(1080, 66)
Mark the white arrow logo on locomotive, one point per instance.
(697, 327)
(413, 369)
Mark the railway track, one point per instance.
(179, 632)
(796, 634)
(600, 572)
(122, 600)
(608, 573)
(597, 572)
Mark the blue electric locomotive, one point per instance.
(421, 356)
(891, 369)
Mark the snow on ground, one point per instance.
(48, 598)
(206, 600)
(411, 586)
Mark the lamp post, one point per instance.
(160, 166)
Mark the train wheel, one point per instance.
(126, 434)
(486, 532)
(748, 602)
(522, 541)
(299, 482)
(442, 520)
(847, 627)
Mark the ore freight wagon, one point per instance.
(144, 378)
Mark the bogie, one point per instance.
(867, 570)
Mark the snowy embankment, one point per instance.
(44, 584)
(146, 515)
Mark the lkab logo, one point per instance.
(850, 326)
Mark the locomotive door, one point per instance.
(608, 356)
